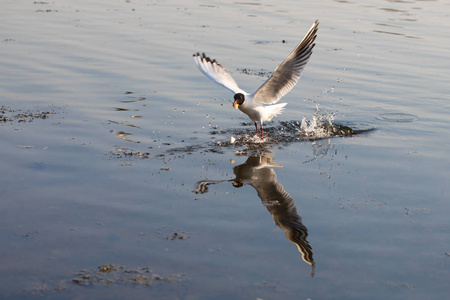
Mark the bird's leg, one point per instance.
(256, 126)
(262, 134)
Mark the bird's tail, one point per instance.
(275, 109)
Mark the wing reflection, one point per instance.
(258, 172)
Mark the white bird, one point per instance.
(260, 106)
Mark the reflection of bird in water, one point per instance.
(257, 171)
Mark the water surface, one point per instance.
(119, 179)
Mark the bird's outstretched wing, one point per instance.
(216, 72)
(288, 73)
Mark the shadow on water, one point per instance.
(258, 172)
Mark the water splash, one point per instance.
(320, 126)
(245, 141)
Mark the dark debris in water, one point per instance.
(9, 115)
(260, 72)
(119, 275)
(127, 153)
(106, 275)
(188, 149)
(172, 235)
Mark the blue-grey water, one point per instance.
(119, 181)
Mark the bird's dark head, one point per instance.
(239, 98)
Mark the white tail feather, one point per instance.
(273, 110)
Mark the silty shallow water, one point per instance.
(110, 126)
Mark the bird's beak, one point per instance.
(235, 105)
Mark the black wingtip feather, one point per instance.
(205, 58)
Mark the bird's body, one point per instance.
(262, 105)
(260, 113)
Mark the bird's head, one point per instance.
(237, 184)
(239, 98)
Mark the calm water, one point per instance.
(119, 181)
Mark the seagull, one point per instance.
(261, 105)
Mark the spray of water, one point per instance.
(320, 126)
